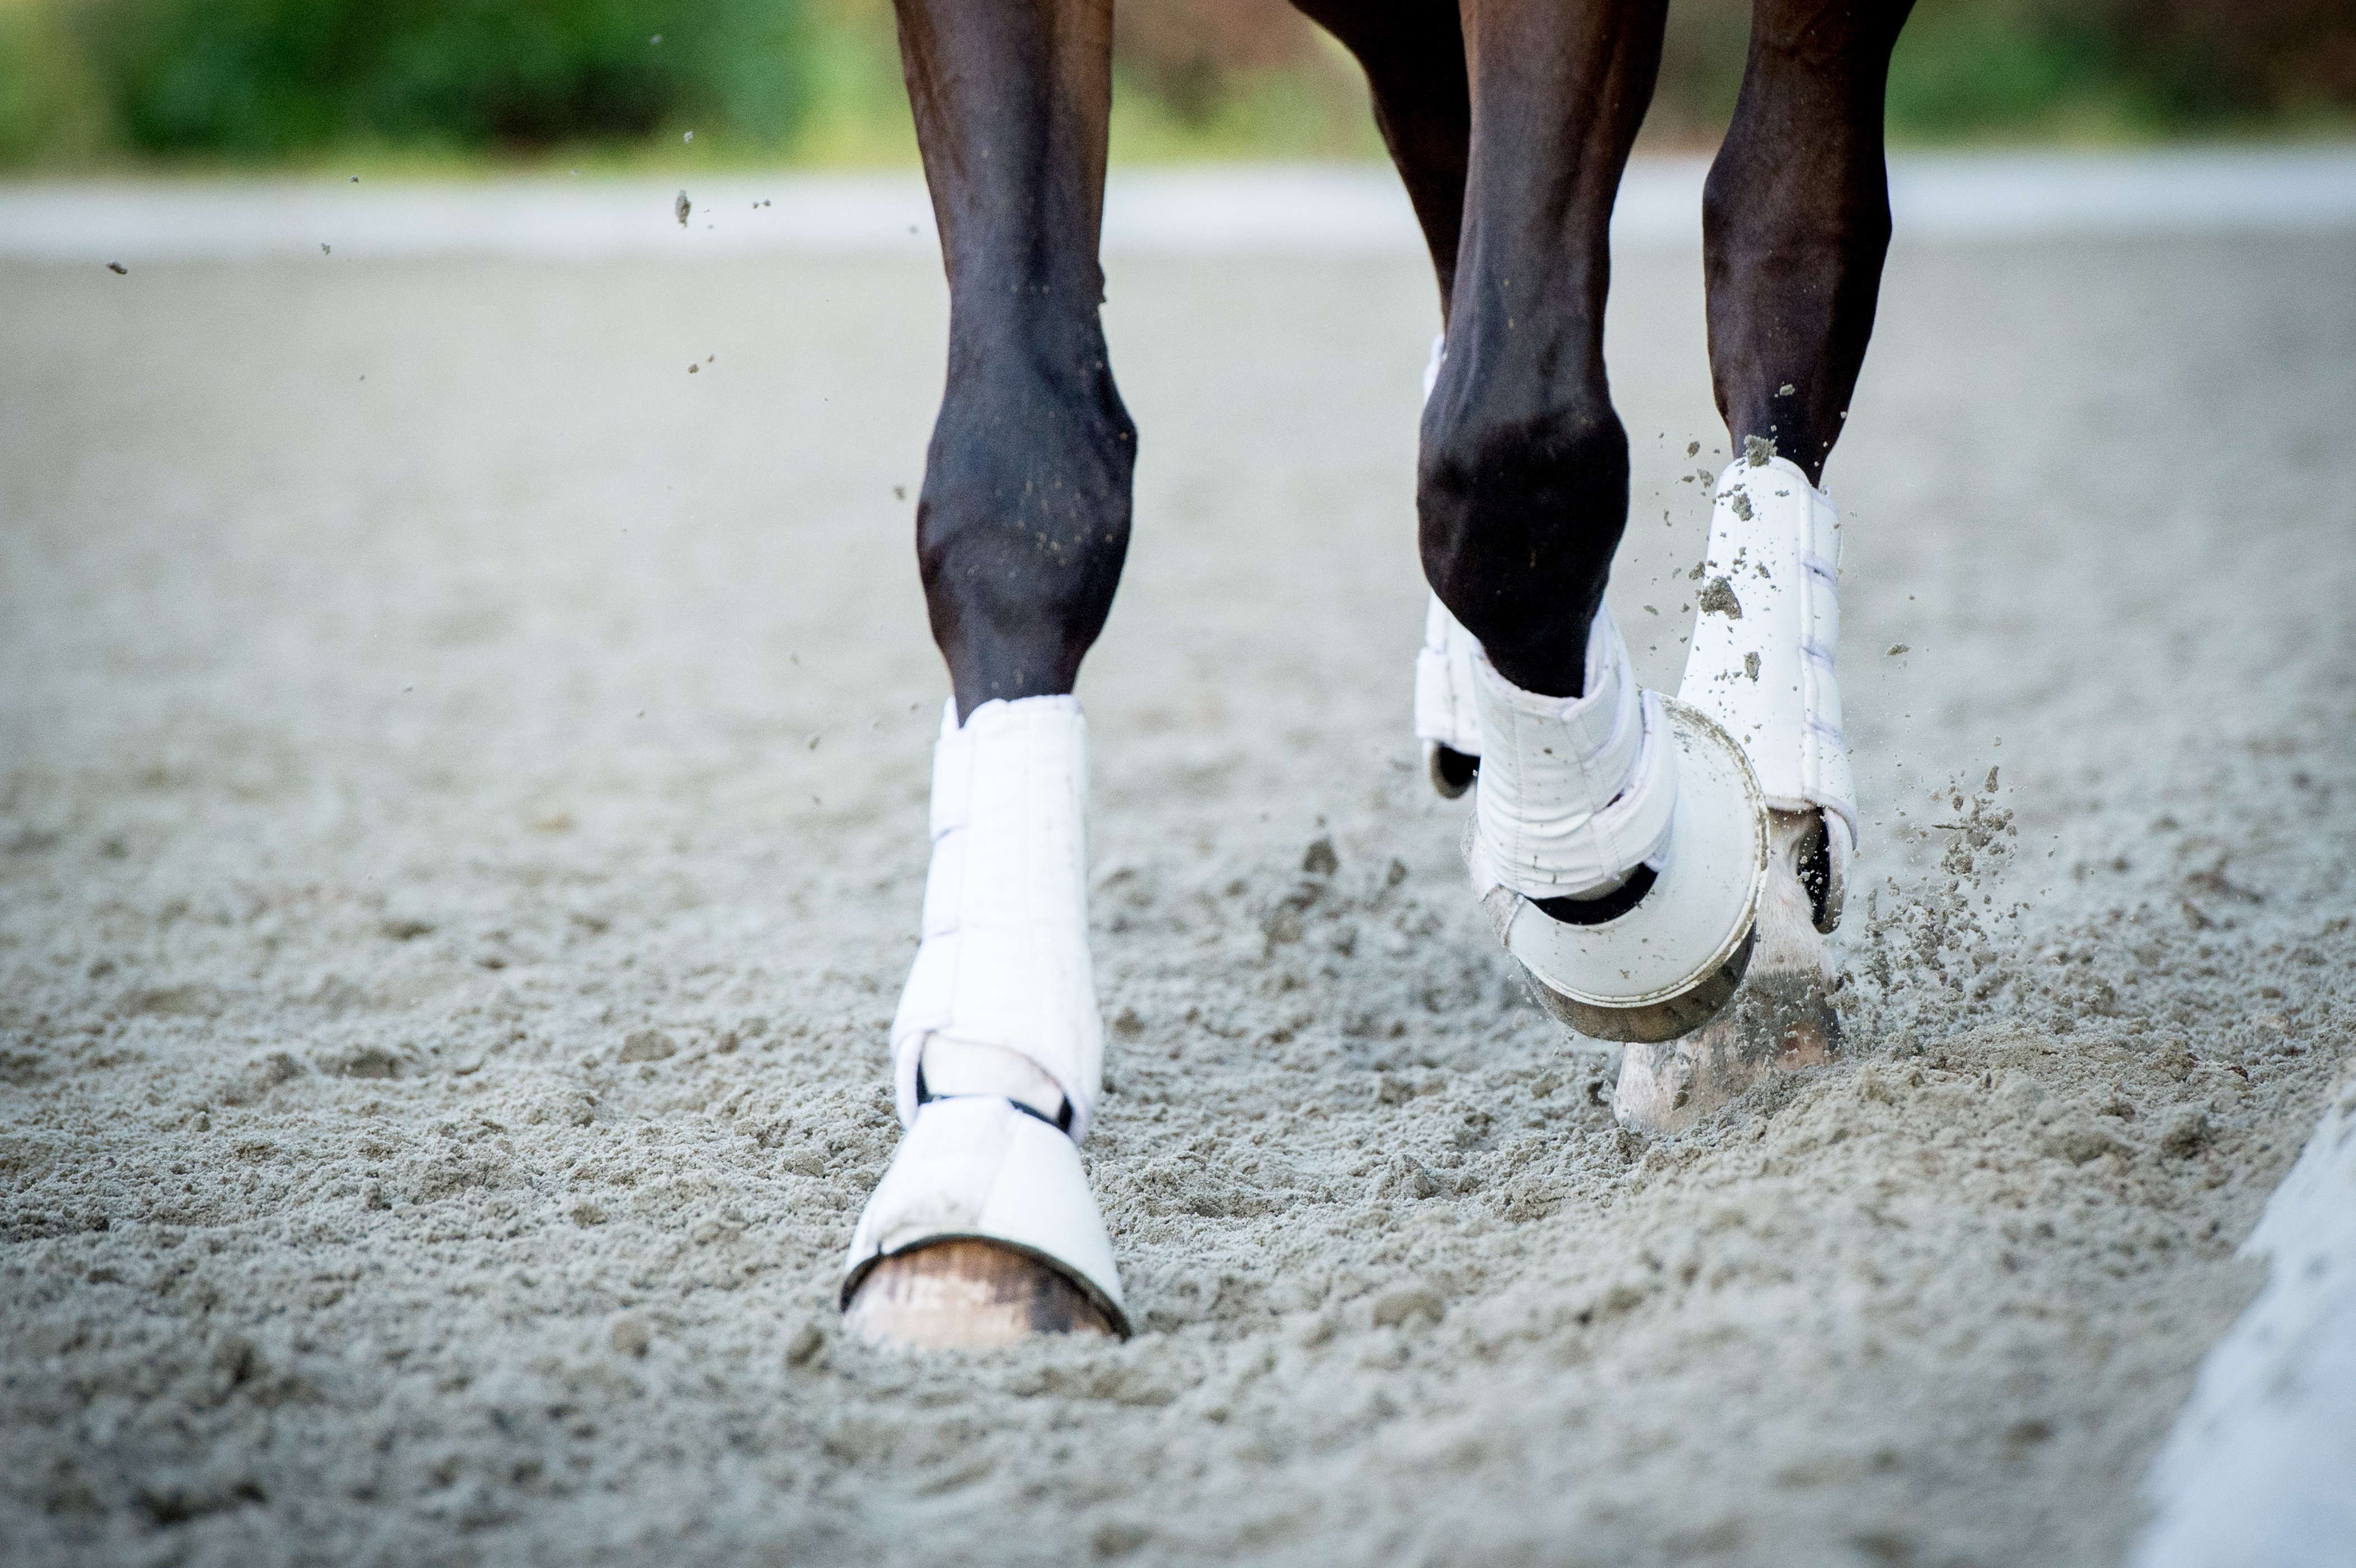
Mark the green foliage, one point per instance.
(51, 107)
(264, 78)
(1966, 66)
(2078, 69)
(89, 81)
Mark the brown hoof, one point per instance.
(1781, 1019)
(966, 1296)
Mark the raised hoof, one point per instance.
(1781, 1019)
(966, 1296)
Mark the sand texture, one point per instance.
(461, 820)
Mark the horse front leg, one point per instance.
(1795, 224)
(983, 1229)
(1618, 840)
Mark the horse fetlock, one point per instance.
(1519, 511)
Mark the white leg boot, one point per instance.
(1761, 661)
(1447, 709)
(1447, 713)
(996, 1047)
(1619, 845)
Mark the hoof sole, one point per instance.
(966, 1296)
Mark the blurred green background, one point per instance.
(440, 84)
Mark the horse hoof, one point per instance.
(966, 1295)
(976, 1178)
(1781, 1018)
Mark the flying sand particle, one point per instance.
(118, 268)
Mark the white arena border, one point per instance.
(1233, 209)
(2260, 1471)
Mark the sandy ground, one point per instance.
(460, 827)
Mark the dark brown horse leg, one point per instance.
(1413, 55)
(1795, 221)
(1795, 224)
(1522, 482)
(1023, 520)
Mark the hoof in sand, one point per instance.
(966, 1295)
(1781, 1019)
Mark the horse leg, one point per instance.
(1795, 224)
(1522, 488)
(1795, 221)
(1413, 55)
(984, 1229)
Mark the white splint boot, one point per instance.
(1761, 661)
(1619, 843)
(1447, 713)
(996, 1047)
(1446, 716)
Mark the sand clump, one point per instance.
(443, 1031)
